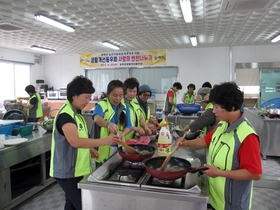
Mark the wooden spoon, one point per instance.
(129, 149)
(167, 159)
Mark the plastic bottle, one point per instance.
(164, 142)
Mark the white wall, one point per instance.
(61, 69)
(196, 65)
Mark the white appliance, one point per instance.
(62, 93)
(52, 94)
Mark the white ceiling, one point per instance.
(137, 24)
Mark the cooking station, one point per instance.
(120, 184)
(268, 129)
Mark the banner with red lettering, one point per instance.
(123, 59)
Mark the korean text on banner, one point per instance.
(123, 59)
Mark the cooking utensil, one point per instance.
(129, 149)
(164, 164)
(188, 108)
(153, 164)
(137, 157)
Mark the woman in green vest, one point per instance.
(144, 94)
(207, 120)
(170, 101)
(189, 95)
(233, 151)
(131, 88)
(71, 147)
(111, 116)
(34, 105)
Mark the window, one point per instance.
(101, 77)
(17, 77)
(160, 78)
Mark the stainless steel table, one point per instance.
(39, 142)
(268, 130)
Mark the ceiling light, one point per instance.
(276, 39)
(186, 10)
(42, 49)
(108, 44)
(193, 40)
(52, 22)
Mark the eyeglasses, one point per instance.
(146, 95)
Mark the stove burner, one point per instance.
(167, 182)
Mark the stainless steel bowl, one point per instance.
(47, 127)
(190, 135)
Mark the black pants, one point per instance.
(73, 195)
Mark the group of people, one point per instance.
(233, 146)
(117, 117)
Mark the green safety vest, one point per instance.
(104, 151)
(167, 106)
(227, 193)
(67, 161)
(146, 116)
(189, 98)
(135, 113)
(37, 109)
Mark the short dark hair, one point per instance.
(207, 84)
(227, 95)
(178, 85)
(131, 83)
(192, 86)
(30, 89)
(78, 86)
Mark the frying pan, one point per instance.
(137, 157)
(152, 164)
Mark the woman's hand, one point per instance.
(112, 127)
(112, 139)
(212, 171)
(140, 131)
(94, 153)
(148, 131)
(181, 142)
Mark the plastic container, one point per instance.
(22, 129)
(6, 129)
(164, 142)
(26, 130)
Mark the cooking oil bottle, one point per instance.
(164, 142)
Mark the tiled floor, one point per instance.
(263, 198)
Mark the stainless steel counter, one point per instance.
(108, 196)
(39, 142)
(268, 131)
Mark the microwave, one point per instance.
(52, 94)
(62, 94)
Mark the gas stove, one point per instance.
(116, 171)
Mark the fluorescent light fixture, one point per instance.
(54, 23)
(186, 10)
(108, 44)
(193, 40)
(42, 49)
(276, 39)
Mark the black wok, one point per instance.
(152, 164)
(137, 157)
